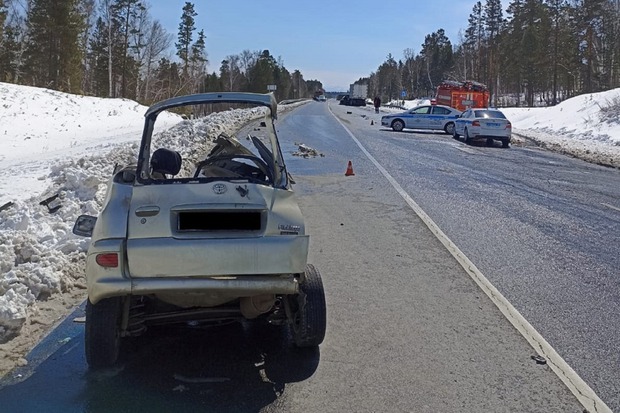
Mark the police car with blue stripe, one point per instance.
(434, 117)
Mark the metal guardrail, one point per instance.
(289, 101)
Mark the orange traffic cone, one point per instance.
(349, 171)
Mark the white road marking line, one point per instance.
(569, 377)
(610, 206)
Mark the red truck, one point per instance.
(462, 95)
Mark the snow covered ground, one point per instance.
(66, 145)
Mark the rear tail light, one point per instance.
(108, 260)
(508, 125)
(475, 123)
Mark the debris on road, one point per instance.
(306, 151)
(539, 359)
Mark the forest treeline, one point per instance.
(539, 53)
(115, 48)
(530, 53)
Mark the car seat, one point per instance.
(165, 162)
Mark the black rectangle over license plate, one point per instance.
(219, 221)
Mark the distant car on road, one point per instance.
(436, 117)
(349, 101)
(489, 124)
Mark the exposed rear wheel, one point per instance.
(449, 128)
(102, 332)
(466, 136)
(398, 125)
(505, 143)
(309, 315)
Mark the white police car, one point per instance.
(481, 123)
(437, 117)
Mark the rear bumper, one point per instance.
(239, 267)
(231, 286)
(499, 138)
(477, 135)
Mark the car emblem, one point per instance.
(219, 189)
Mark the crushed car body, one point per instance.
(204, 234)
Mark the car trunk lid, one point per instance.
(207, 229)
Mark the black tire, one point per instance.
(309, 310)
(505, 144)
(102, 336)
(398, 125)
(466, 136)
(455, 135)
(449, 128)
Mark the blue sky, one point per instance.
(335, 42)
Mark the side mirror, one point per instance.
(84, 225)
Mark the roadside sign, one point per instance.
(403, 93)
(271, 87)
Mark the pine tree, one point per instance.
(8, 47)
(261, 74)
(3, 13)
(125, 16)
(313, 86)
(386, 81)
(607, 44)
(437, 54)
(87, 10)
(492, 18)
(185, 36)
(300, 89)
(589, 14)
(474, 36)
(211, 83)
(52, 53)
(525, 47)
(98, 59)
(556, 12)
(282, 79)
(198, 60)
(9, 50)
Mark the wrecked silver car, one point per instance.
(205, 234)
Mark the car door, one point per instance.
(438, 117)
(462, 121)
(418, 118)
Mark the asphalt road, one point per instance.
(408, 329)
(542, 227)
